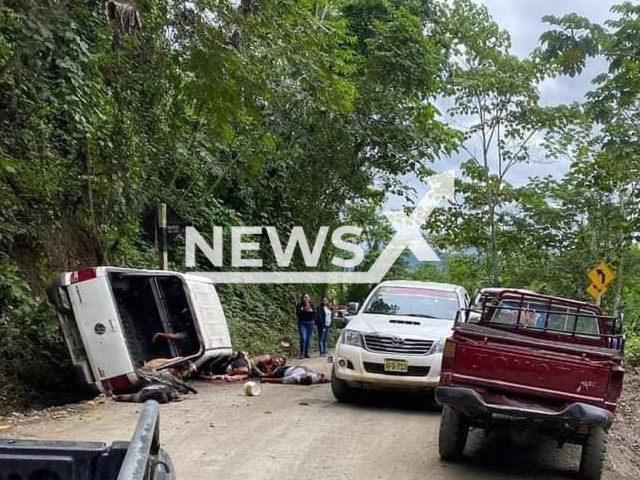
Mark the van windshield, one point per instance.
(414, 302)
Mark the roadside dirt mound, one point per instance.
(624, 439)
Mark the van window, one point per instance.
(149, 304)
(178, 312)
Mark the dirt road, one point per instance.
(294, 432)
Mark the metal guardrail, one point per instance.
(144, 444)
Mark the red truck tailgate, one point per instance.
(494, 359)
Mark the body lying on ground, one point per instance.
(162, 386)
(181, 371)
(295, 375)
(238, 369)
(159, 392)
(242, 367)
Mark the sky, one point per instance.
(522, 19)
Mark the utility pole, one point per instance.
(163, 247)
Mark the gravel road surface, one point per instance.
(296, 432)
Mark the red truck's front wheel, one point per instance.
(454, 429)
(593, 454)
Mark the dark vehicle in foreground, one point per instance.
(140, 459)
(542, 365)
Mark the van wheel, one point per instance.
(593, 454)
(341, 389)
(454, 429)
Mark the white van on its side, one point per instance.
(110, 317)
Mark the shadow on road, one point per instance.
(495, 455)
(411, 402)
(485, 457)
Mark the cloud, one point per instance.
(523, 20)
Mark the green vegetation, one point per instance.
(288, 113)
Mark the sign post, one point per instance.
(160, 225)
(601, 275)
(163, 244)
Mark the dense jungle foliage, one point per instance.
(303, 113)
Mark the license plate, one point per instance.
(395, 366)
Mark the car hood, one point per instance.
(406, 327)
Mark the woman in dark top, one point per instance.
(323, 324)
(306, 321)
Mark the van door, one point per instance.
(99, 328)
(209, 316)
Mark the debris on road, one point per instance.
(252, 389)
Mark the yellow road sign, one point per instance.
(601, 275)
(595, 291)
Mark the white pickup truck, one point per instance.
(396, 339)
(109, 317)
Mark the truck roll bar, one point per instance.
(144, 444)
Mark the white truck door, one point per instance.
(209, 315)
(99, 327)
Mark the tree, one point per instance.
(610, 164)
(493, 96)
(259, 113)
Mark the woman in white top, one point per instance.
(323, 324)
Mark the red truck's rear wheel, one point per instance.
(454, 429)
(593, 454)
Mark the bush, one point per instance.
(260, 315)
(33, 357)
(632, 349)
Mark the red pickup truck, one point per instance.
(543, 365)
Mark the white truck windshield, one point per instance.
(414, 302)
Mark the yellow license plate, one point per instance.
(396, 366)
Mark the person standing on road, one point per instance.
(323, 324)
(306, 321)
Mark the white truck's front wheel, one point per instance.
(341, 390)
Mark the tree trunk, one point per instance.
(621, 254)
(99, 250)
(618, 300)
(495, 261)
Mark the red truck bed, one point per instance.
(497, 362)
